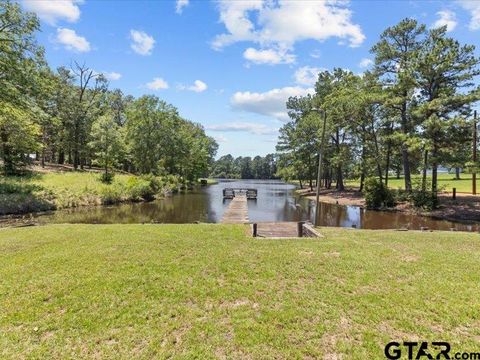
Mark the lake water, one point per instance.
(276, 201)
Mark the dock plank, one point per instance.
(286, 229)
(277, 229)
(237, 212)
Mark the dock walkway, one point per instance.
(237, 212)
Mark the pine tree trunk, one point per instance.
(362, 180)
(424, 175)
(406, 163)
(340, 185)
(434, 171)
(387, 165)
(8, 165)
(61, 157)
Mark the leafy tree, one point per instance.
(20, 59)
(445, 73)
(88, 93)
(395, 58)
(107, 142)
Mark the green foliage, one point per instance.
(421, 196)
(415, 102)
(377, 195)
(140, 189)
(111, 194)
(107, 142)
(156, 183)
(160, 141)
(107, 177)
(245, 167)
(20, 62)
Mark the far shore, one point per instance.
(466, 207)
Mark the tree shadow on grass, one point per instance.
(19, 196)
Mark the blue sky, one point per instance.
(230, 65)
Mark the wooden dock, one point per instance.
(273, 230)
(237, 212)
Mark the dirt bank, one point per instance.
(465, 208)
(346, 197)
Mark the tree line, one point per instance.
(410, 114)
(228, 167)
(70, 116)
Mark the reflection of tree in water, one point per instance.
(276, 202)
(396, 220)
(181, 208)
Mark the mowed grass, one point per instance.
(446, 182)
(210, 291)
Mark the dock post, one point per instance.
(300, 228)
(254, 234)
(454, 195)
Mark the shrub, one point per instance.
(423, 198)
(111, 194)
(107, 178)
(140, 189)
(377, 195)
(154, 181)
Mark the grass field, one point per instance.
(209, 291)
(445, 182)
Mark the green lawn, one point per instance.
(445, 182)
(206, 291)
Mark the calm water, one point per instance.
(276, 202)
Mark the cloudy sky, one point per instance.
(231, 65)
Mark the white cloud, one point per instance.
(180, 5)
(365, 63)
(280, 24)
(198, 86)
(316, 54)
(142, 42)
(112, 76)
(52, 11)
(307, 75)
(252, 128)
(71, 40)
(473, 7)
(220, 139)
(269, 103)
(268, 56)
(446, 17)
(157, 84)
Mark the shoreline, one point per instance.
(465, 209)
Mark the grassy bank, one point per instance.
(210, 181)
(445, 182)
(208, 291)
(40, 191)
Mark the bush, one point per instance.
(111, 194)
(139, 189)
(377, 195)
(154, 181)
(107, 178)
(423, 198)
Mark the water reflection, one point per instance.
(276, 201)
